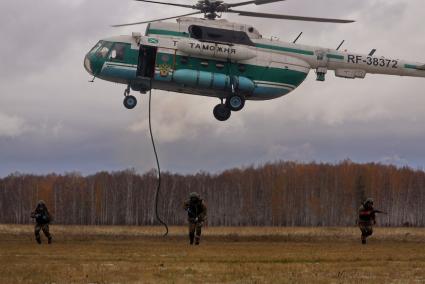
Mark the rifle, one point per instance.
(35, 215)
(41, 218)
(192, 219)
(379, 211)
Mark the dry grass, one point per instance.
(227, 255)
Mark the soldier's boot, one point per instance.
(49, 237)
(363, 239)
(198, 234)
(38, 239)
(369, 233)
(191, 237)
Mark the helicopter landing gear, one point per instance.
(129, 101)
(222, 112)
(235, 102)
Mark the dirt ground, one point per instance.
(82, 254)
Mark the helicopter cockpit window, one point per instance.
(96, 47)
(118, 51)
(219, 35)
(104, 49)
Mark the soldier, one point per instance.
(197, 215)
(367, 219)
(42, 218)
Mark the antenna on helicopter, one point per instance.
(213, 9)
(342, 42)
(297, 37)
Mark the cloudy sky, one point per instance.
(53, 120)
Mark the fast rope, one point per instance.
(159, 169)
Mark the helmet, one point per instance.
(368, 201)
(41, 204)
(194, 195)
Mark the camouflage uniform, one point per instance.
(366, 219)
(42, 218)
(197, 215)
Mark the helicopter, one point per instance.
(213, 57)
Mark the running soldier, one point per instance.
(42, 218)
(197, 215)
(367, 219)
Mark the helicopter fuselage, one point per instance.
(219, 58)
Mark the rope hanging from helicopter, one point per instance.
(157, 164)
(211, 11)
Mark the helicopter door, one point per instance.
(146, 65)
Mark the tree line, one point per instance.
(273, 194)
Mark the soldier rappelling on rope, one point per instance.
(197, 215)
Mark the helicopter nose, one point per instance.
(87, 65)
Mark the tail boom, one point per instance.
(360, 65)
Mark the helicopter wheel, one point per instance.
(235, 102)
(222, 112)
(130, 102)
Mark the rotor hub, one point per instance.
(210, 8)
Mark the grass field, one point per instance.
(226, 255)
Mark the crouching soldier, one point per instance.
(197, 215)
(42, 218)
(367, 219)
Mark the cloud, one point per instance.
(60, 122)
(174, 118)
(394, 160)
(11, 126)
(38, 33)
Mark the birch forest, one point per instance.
(274, 194)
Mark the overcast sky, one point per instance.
(53, 120)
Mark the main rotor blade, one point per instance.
(289, 17)
(166, 3)
(261, 2)
(256, 2)
(157, 20)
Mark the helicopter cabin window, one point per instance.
(103, 51)
(118, 51)
(219, 35)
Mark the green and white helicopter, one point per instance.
(230, 61)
